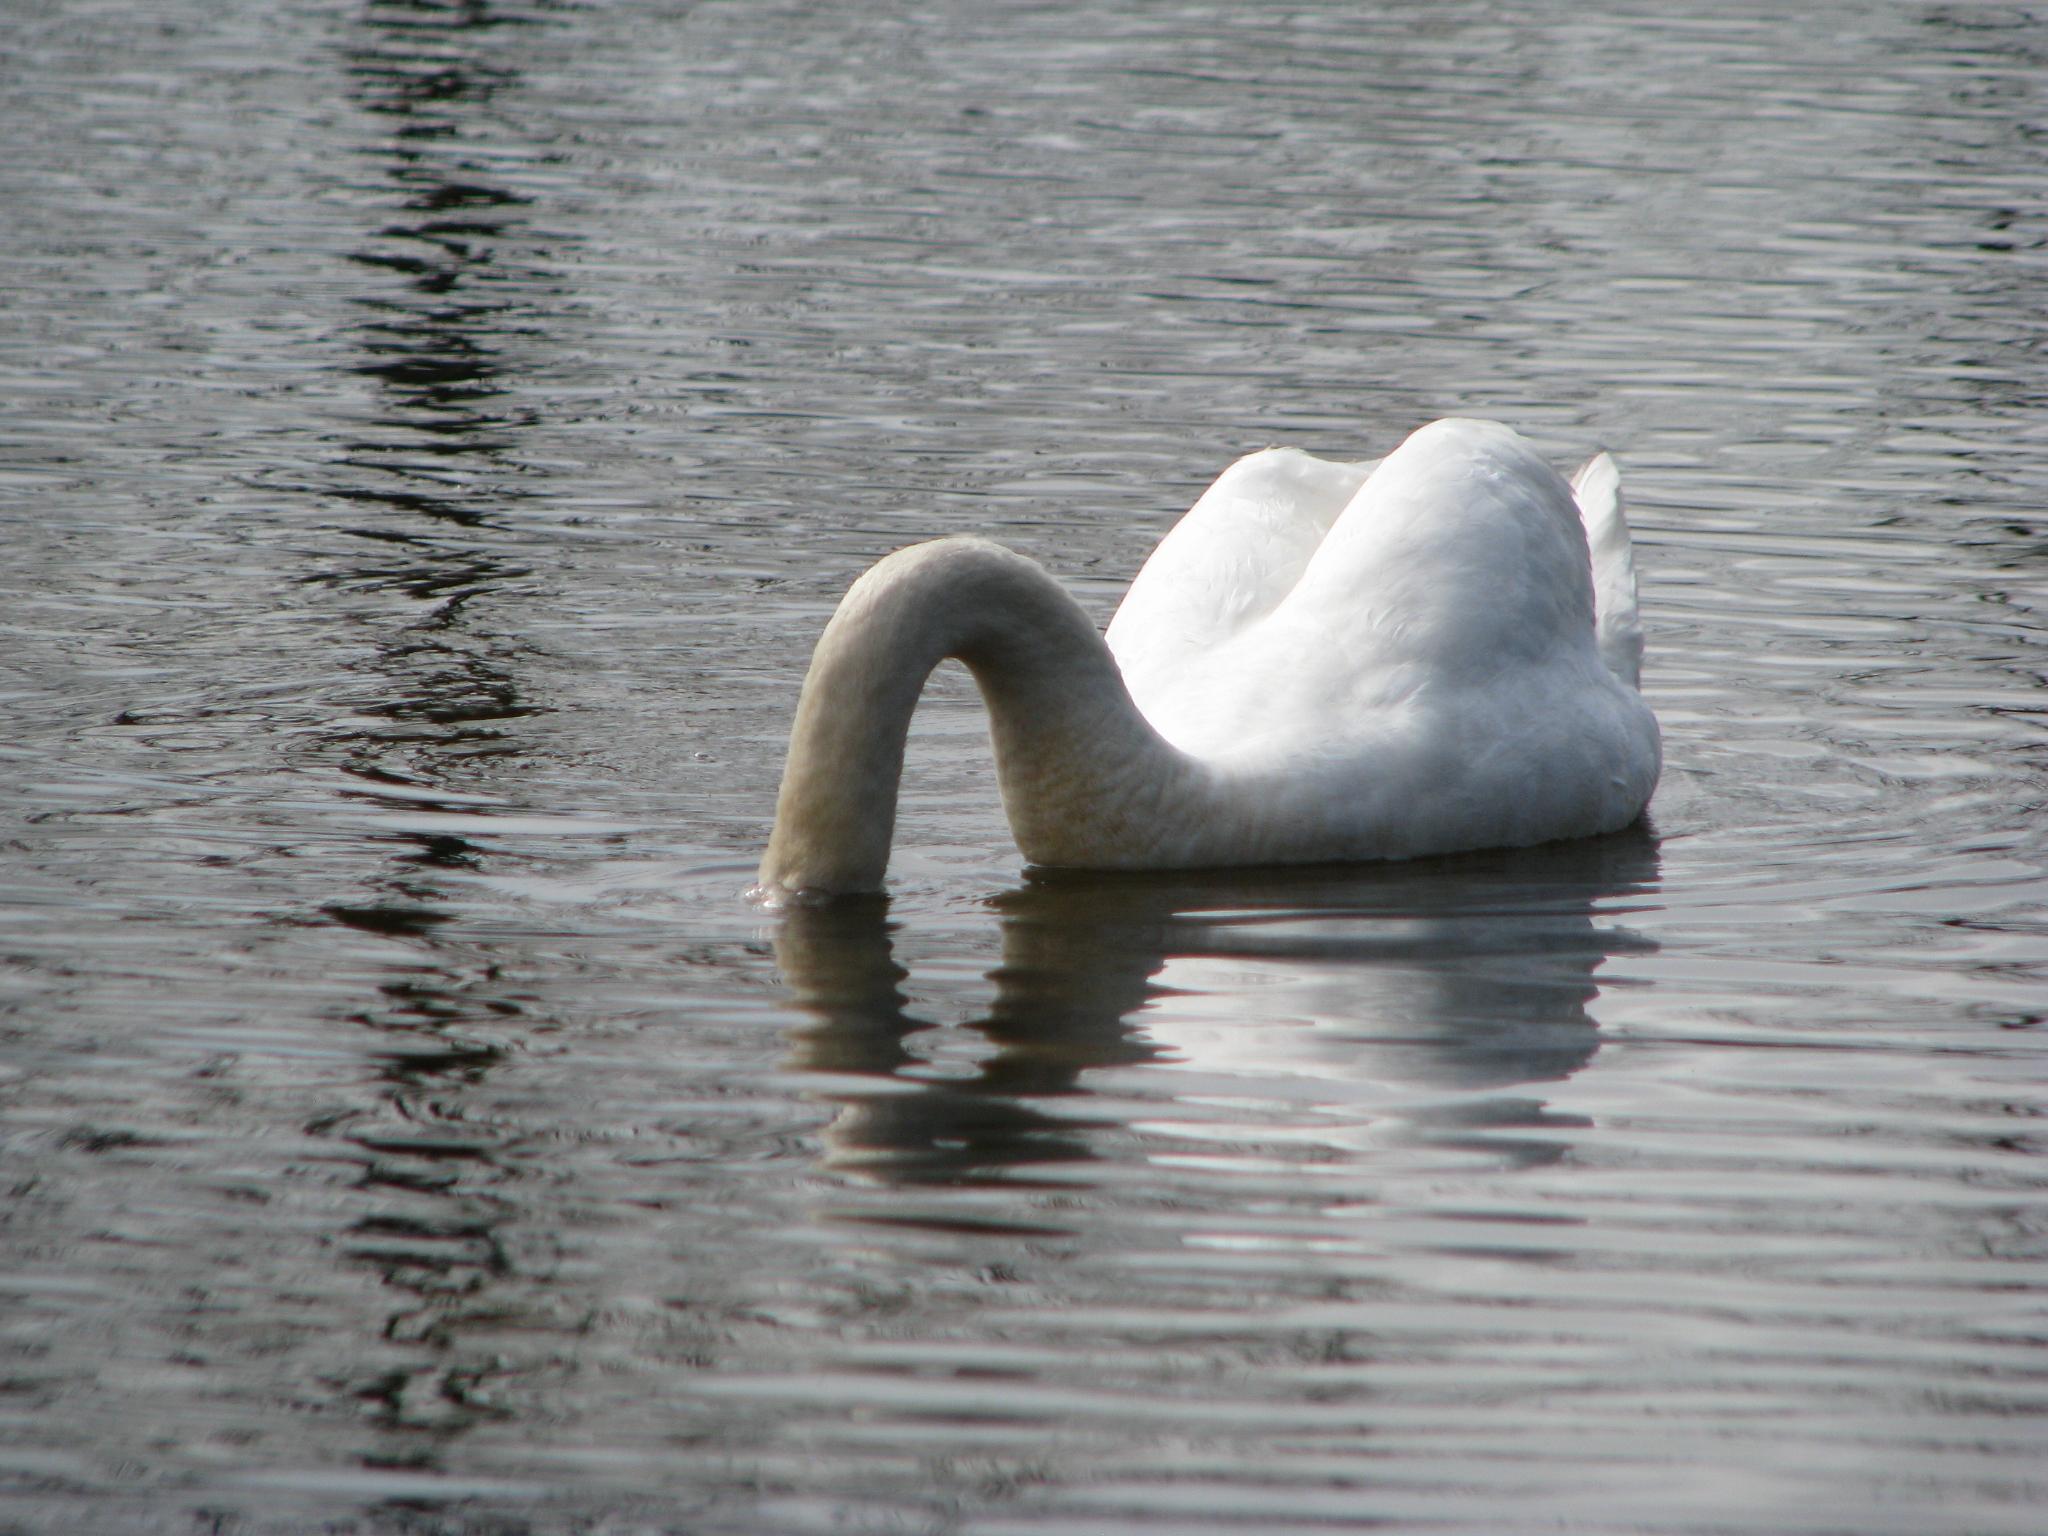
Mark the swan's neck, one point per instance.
(1085, 778)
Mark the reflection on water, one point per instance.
(443, 457)
(1416, 990)
(430, 480)
(1062, 994)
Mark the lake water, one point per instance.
(431, 438)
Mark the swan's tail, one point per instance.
(1597, 486)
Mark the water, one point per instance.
(431, 437)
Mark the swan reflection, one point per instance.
(1412, 996)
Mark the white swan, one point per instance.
(1321, 661)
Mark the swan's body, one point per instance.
(1320, 662)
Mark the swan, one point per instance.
(1434, 652)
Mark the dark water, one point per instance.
(431, 437)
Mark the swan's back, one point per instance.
(1458, 565)
(1463, 554)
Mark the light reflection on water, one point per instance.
(430, 438)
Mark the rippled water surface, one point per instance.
(431, 436)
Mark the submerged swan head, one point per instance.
(1322, 661)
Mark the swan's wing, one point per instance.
(1228, 562)
(1597, 486)
(1458, 572)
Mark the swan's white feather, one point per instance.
(1597, 485)
(1229, 561)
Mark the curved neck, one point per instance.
(1074, 755)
